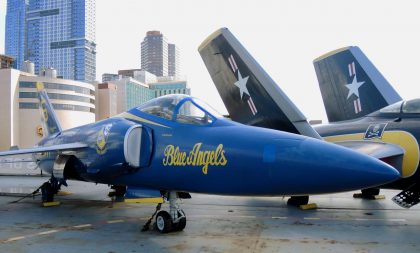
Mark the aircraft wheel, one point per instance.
(181, 223)
(164, 222)
(370, 192)
(47, 192)
(298, 200)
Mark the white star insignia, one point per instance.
(354, 87)
(241, 84)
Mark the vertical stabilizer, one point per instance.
(351, 86)
(248, 92)
(50, 121)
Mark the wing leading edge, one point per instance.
(62, 148)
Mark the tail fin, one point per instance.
(351, 86)
(50, 121)
(249, 94)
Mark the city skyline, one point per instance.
(53, 34)
(283, 36)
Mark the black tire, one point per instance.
(47, 192)
(163, 222)
(298, 200)
(370, 192)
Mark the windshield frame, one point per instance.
(404, 109)
(191, 100)
(183, 98)
(384, 109)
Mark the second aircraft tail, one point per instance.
(351, 86)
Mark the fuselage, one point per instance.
(221, 157)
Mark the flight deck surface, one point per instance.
(87, 221)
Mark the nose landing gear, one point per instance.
(172, 221)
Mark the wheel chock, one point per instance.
(63, 193)
(308, 206)
(145, 200)
(49, 204)
(371, 197)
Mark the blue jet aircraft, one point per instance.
(176, 144)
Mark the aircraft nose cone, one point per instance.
(322, 167)
(348, 169)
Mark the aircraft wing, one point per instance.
(248, 92)
(62, 147)
(387, 152)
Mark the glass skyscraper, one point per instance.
(58, 34)
(16, 30)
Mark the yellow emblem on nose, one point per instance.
(102, 138)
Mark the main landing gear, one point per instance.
(298, 201)
(301, 202)
(370, 193)
(172, 221)
(49, 189)
(118, 194)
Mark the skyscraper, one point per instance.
(154, 53)
(174, 68)
(57, 34)
(16, 30)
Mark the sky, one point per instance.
(284, 36)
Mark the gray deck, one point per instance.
(88, 222)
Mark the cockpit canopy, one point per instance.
(181, 108)
(409, 106)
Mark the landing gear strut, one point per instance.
(172, 221)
